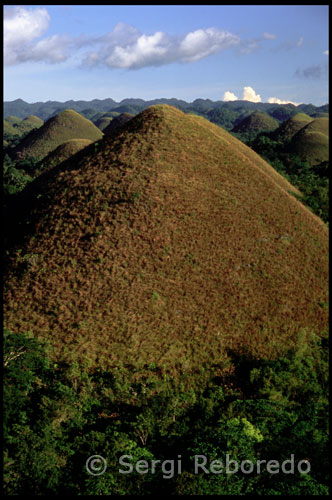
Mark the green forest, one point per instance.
(247, 408)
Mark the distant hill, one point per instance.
(61, 153)
(8, 128)
(12, 120)
(66, 125)
(16, 126)
(29, 123)
(117, 122)
(102, 120)
(311, 143)
(169, 243)
(225, 114)
(290, 127)
(254, 124)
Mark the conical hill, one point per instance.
(255, 123)
(66, 125)
(311, 143)
(117, 123)
(170, 243)
(62, 153)
(290, 127)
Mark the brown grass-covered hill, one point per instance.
(30, 122)
(64, 126)
(255, 123)
(61, 153)
(8, 128)
(311, 143)
(12, 119)
(117, 123)
(290, 127)
(169, 244)
(16, 126)
(103, 122)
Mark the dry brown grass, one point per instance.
(68, 124)
(61, 153)
(311, 143)
(290, 127)
(170, 244)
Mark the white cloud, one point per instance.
(52, 50)
(134, 50)
(202, 43)
(269, 36)
(275, 100)
(145, 51)
(299, 43)
(21, 27)
(229, 96)
(250, 95)
(124, 47)
(326, 52)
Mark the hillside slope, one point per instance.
(169, 244)
(61, 153)
(66, 125)
(290, 127)
(311, 143)
(117, 123)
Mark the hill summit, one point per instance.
(64, 126)
(61, 153)
(311, 142)
(290, 127)
(169, 243)
(255, 123)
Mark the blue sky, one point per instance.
(222, 52)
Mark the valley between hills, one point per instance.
(165, 288)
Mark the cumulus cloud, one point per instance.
(250, 95)
(300, 41)
(229, 96)
(326, 52)
(124, 47)
(21, 27)
(275, 100)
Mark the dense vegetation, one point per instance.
(15, 174)
(58, 415)
(311, 180)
